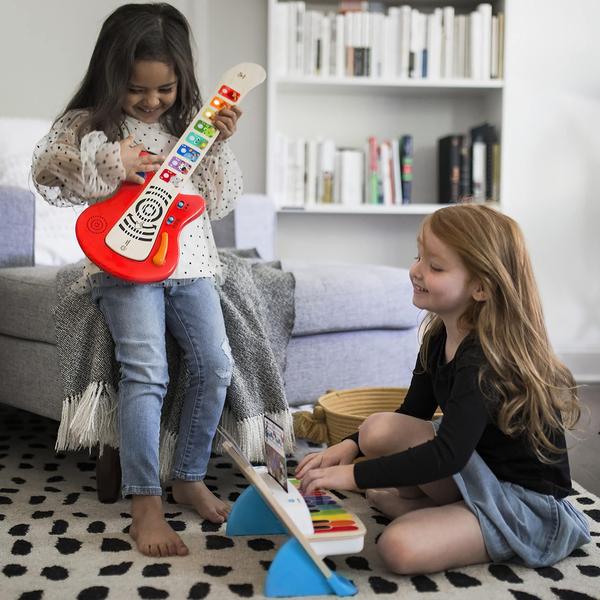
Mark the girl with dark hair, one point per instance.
(139, 93)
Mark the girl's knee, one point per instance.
(398, 552)
(372, 434)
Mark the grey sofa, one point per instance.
(355, 324)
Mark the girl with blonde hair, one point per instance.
(489, 480)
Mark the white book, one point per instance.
(415, 44)
(386, 48)
(396, 168)
(339, 176)
(385, 173)
(366, 42)
(292, 40)
(475, 44)
(405, 23)
(494, 56)
(300, 18)
(485, 10)
(478, 170)
(351, 177)
(325, 171)
(448, 41)
(376, 34)
(348, 41)
(299, 174)
(310, 193)
(434, 44)
(394, 40)
(467, 63)
(281, 39)
(325, 65)
(460, 43)
(340, 46)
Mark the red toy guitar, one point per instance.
(134, 235)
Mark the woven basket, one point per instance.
(337, 414)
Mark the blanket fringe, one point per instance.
(89, 418)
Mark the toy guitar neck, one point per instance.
(134, 234)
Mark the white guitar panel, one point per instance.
(134, 234)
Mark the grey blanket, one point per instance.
(258, 305)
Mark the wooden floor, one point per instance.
(584, 445)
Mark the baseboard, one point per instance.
(585, 366)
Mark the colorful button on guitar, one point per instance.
(180, 165)
(166, 175)
(229, 93)
(219, 104)
(197, 140)
(205, 128)
(209, 113)
(185, 151)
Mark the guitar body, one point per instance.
(164, 226)
(134, 235)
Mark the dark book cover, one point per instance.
(406, 167)
(465, 190)
(449, 160)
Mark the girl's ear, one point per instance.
(479, 294)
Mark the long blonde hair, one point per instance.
(536, 393)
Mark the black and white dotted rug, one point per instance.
(58, 542)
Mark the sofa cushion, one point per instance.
(28, 296)
(347, 297)
(18, 213)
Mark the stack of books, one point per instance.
(312, 172)
(469, 166)
(364, 40)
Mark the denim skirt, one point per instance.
(519, 524)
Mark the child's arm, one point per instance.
(218, 179)
(67, 171)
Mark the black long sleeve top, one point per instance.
(467, 425)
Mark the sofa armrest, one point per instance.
(17, 207)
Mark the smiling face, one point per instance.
(151, 92)
(441, 283)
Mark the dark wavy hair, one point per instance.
(133, 32)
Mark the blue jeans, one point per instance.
(137, 316)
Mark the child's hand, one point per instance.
(339, 454)
(340, 477)
(226, 122)
(134, 163)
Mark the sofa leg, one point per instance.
(108, 475)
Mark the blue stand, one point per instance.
(292, 572)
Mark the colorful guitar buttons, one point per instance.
(166, 175)
(205, 128)
(229, 93)
(219, 104)
(180, 165)
(185, 151)
(209, 113)
(197, 140)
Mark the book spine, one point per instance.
(406, 158)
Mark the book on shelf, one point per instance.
(391, 42)
(316, 172)
(469, 166)
(449, 161)
(406, 167)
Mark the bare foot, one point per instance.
(152, 534)
(196, 494)
(393, 505)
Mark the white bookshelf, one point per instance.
(349, 110)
